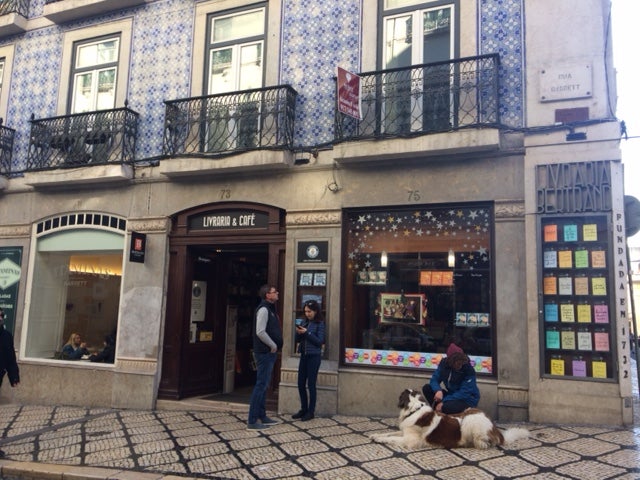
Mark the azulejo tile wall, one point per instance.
(502, 31)
(316, 37)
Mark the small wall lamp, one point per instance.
(451, 259)
(383, 259)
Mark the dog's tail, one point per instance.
(512, 434)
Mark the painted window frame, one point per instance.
(123, 28)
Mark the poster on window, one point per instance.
(402, 307)
(10, 274)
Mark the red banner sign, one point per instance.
(349, 94)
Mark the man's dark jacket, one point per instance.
(8, 361)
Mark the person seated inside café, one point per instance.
(108, 353)
(75, 348)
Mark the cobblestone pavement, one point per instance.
(58, 442)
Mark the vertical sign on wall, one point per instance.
(10, 273)
(138, 247)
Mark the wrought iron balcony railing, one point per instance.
(6, 148)
(428, 98)
(230, 122)
(20, 7)
(83, 139)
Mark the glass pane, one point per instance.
(1, 72)
(106, 89)
(97, 53)
(416, 280)
(251, 66)
(222, 76)
(398, 41)
(436, 32)
(243, 25)
(77, 294)
(82, 93)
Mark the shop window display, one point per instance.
(416, 280)
(74, 290)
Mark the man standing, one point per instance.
(8, 361)
(267, 340)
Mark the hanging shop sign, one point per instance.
(138, 247)
(229, 220)
(349, 93)
(10, 274)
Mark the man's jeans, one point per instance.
(264, 364)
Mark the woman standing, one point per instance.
(310, 337)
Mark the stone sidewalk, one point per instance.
(78, 443)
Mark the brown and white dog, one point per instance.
(421, 426)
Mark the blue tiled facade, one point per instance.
(316, 37)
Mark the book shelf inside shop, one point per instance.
(577, 334)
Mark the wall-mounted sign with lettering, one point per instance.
(565, 82)
(229, 220)
(313, 252)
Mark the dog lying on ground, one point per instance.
(420, 426)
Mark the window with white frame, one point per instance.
(95, 64)
(94, 74)
(236, 51)
(75, 284)
(417, 99)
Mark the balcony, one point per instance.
(61, 11)
(6, 150)
(104, 139)
(420, 102)
(258, 123)
(13, 17)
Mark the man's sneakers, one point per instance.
(298, 415)
(269, 421)
(256, 426)
(265, 423)
(307, 416)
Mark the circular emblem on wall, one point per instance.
(313, 251)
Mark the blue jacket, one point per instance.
(312, 340)
(69, 353)
(459, 385)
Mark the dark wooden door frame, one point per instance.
(176, 334)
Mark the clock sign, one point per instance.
(313, 252)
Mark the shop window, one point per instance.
(416, 280)
(75, 288)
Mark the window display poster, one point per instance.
(567, 313)
(550, 233)
(571, 233)
(557, 366)
(198, 300)
(601, 340)
(581, 258)
(320, 279)
(400, 307)
(601, 313)
(598, 259)
(565, 259)
(579, 368)
(584, 340)
(551, 312)
(10, 275)
(599, 369)
(581, 285)
(584, 313)
(550, 286)
(568, 339)
(590, 232)
(550, 259)
(553, 339)
(565, 286)
(306, 279)
(598, 286)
